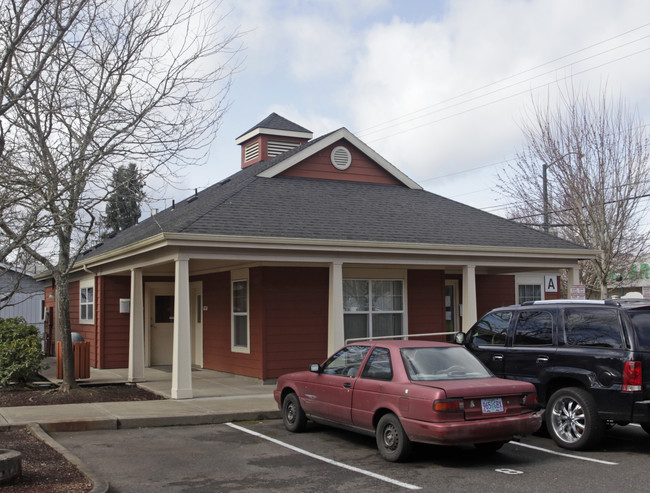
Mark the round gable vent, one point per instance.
(341, 158)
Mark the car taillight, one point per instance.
(448, 405)
(632, 378)
(529, 400)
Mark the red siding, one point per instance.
(217, 354)
(362, 169)
(113, 329)
(493, 292)
(288, 310)
(426, 301)
(295, 318)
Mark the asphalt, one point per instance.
(218, 398)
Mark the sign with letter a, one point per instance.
(550, 284)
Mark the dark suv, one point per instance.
(590, 361)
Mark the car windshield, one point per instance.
(425, 364)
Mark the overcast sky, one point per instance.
(438, 88)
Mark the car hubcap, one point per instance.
(291, 413)
(568, 420)
(391, 440)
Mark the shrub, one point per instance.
(20, 352)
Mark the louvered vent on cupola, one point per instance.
(271, 137)
(277, 147)
(252, 151)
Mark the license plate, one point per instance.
(492, 405)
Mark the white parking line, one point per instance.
(588, 459)
(329, 461)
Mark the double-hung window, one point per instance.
(240, 332)
(86, 303)
(530, 292)
(373, 308)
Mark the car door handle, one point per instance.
(542, 359)
(347, 385)
(497, 357)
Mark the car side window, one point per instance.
(593, 328)
(534, 328)
(491, 329)
(379, 365)
(346, 362)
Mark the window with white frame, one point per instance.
(240, 332)
(373, 307)
(87, 302)
(529, 292)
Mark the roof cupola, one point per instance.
(269, 138)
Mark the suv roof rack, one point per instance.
(582, 302)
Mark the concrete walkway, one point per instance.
(219, 398)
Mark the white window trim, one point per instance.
(90, 283)
(370, 312)
(238, 276)
(541, 288)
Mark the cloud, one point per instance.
(445, 84)
(438, 87)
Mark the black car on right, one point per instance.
(589, 360)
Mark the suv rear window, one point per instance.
(641, 321)
(593, 328)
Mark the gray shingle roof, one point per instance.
(283, 207)
(276, 122)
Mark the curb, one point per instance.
(99, 485)
(152, 421)
(196, 419)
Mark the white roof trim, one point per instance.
(341, 133)
(273, 131)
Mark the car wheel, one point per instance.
(572, 419)
(646, 427)
(392, 442)
(293, 416)
(489, 446)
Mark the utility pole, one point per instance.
(546, 225)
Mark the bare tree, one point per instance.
(30, 33)
(583, 174)
(135, 81)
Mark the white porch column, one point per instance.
(574, 277)
(335, 321)
(136, 329)
(182, 356)
(469, 297)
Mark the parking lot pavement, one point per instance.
(263, 456)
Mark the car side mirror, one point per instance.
(459, 337)
(315, 367)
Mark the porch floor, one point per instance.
(158, 379)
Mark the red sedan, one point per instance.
(409, 391)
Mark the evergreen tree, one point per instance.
(123, 206)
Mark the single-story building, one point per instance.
(313, 242)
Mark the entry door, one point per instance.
(161, 323)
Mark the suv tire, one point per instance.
(572, 419)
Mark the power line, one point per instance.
(607, 202)
(508, 97)
(374, 129)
